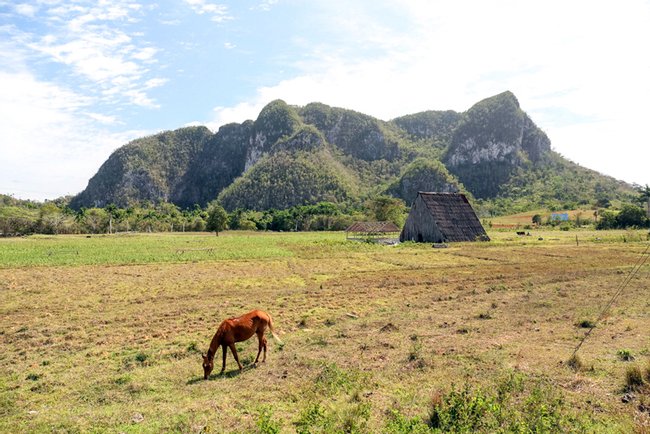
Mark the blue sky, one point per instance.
(80, 78)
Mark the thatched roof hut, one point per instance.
(442, 217)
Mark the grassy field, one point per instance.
(104, 334)
(526, 218)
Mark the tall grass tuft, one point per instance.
(575, 363)
(633, 379)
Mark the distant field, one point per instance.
(526, 218)
(104, 334)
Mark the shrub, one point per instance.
(400, 424)
(311, 417)
(511, 405)
(265, 424)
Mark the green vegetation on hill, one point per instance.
(285, 179)
(293, 156)
(423, 175)
(150, 168)
(435, 128)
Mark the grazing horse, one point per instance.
(237, 330)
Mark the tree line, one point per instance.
(19, 217)
(56, 217)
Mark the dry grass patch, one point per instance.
(371, 334)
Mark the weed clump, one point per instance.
(633, 379)
(575, 363)
(625, 355)
(586, 324)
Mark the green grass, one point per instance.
(42, 250)
(73, 250)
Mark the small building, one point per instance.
(386, 232)
(440, 218)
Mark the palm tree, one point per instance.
(644, 197)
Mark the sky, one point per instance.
(79, 79)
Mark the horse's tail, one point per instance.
(276, 337)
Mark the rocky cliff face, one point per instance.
(151, 168)
(494, 138)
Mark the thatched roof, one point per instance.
(454, 216)
(373, 227)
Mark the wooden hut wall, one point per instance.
(420, 225)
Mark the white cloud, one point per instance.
(265, 5)
(51, 145)
(101, 118)
(146, 53)
(237, 113)
(582, 62)
(218, 12)
(155, 82)
(26, 9)
(91, 40)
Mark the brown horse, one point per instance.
(237, 330)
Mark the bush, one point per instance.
(265, 424)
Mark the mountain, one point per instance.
(298, 155)
(491, 141)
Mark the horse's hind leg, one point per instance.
(260, 344)
(234, 353)
(264, 344)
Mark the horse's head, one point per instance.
(208, 366)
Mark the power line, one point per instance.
(639, 263)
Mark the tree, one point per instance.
(631, 215)
(96, 220)
(387, 208)
(50, 218)
(644, 196)
(112, 211)
(607, 220)
(537, 219)
(217, 217)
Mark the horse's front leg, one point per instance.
(234, 353)
(223, 364)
